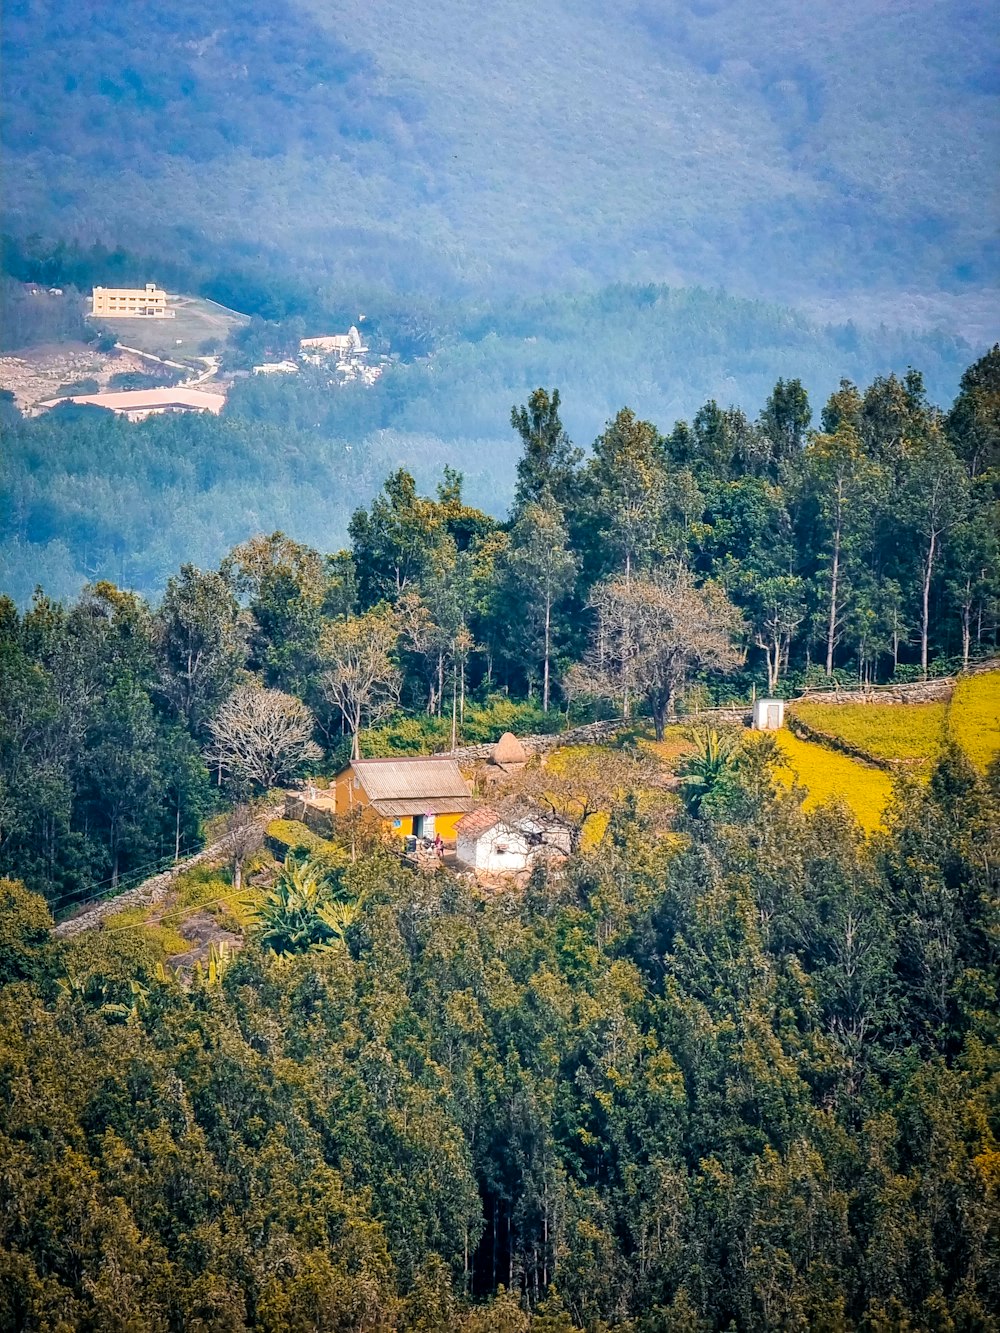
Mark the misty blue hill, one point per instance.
(837, 157)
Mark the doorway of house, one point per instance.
(423, 826)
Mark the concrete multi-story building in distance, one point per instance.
(149, 302)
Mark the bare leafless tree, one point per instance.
(574, 785)
(363, 680)
(243, 836)
(653, 632)
(263, 736)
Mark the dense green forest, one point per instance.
(751, 1085)
(778, 152)
(731, 1067)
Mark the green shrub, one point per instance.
(407, 735)
(129, 380)
(77, 387)
(286, 836)
(483, 724)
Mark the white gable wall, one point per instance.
(502, 850)
(498, 851)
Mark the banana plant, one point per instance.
(216, 965)
(105, 997)
(301, 910)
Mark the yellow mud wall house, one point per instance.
(423, 796)
(149, 302)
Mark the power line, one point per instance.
(164, 861)
(191, 907)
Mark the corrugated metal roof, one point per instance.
(419, 779)
(427, 805)
(140, 400)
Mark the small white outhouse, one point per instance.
(768, 714)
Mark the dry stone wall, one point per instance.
(151, 890)
(594, 733)
(919, 692)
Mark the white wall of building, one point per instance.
(502, 850)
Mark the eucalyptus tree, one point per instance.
(285, 585)
(973, 570)
(626, 481)
(201, 641)
(785, 420)
(550, 463)
(392, 541)
(933, 500)
(842, 482)
(973, 424)
(543, 570)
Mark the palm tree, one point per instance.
(701, 773)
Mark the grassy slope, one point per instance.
(206, 888)
(195, 320)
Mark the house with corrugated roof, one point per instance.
(137, 404)
(421, 797)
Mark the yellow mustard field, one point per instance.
(974, 717)
(912, 732)
(830, 776)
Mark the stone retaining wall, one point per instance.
(150, 890)
(919, 692)
(593, 733)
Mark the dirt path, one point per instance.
(151, 890)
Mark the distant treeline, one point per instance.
(88, 497)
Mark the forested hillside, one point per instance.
(751, 1085)
(863, 549)
(86, 496)
(725, 1065)
(779, 151)
(679, 1010)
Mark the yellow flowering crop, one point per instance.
(888, 731)
(828, 775)
(974, 717)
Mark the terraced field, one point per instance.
(908, 734)
(974, 717)
(902, 732)
(830, 776)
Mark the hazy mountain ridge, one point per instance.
(773, 150)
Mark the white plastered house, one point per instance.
(492, 844)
